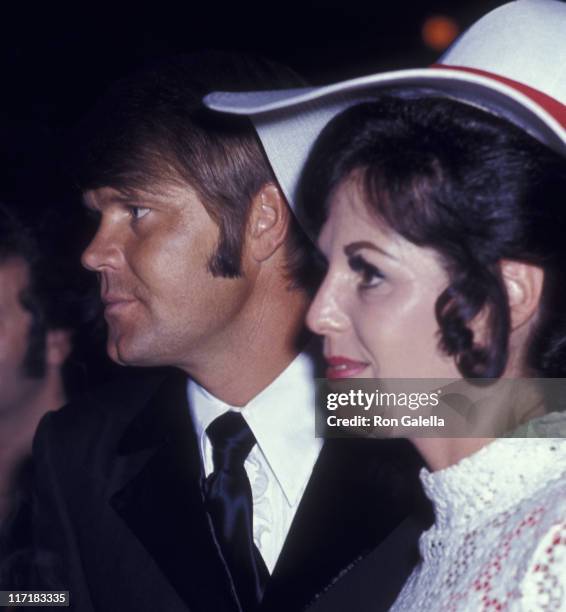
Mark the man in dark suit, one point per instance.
(208, 493)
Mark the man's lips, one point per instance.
(115, 303)
(342, 367)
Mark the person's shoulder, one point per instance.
(532, 520)
(102, 415)
(543, 583)
(541, 557)
(115, 401)
(547, 513)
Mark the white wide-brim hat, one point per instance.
(512, 62)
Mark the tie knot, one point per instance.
(231, 439)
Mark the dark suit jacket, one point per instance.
(373, 582)
(117, 516)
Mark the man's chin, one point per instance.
(114, 354)
(121, 354)
(124, 354)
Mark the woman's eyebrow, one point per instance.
(353, 247)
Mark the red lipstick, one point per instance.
(342, 367)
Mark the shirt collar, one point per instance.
(281, 417)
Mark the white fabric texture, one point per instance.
(280, 464)
(499, 538)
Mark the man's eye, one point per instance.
(371, 276)
(138, 212)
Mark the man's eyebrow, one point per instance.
(353, 247)
(126, 197)
(139, 197)
(118, 198)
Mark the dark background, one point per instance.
(54, 61)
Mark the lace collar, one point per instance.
(494, 479)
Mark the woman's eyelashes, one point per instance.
(371, 276)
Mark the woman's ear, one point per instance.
(523, 282)
(268, 222)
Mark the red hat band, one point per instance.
(549, 104)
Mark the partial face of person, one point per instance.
(15, 324)
(162, 304)
(375, 307)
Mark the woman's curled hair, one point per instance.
(475, 188)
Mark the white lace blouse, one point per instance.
(499, 538)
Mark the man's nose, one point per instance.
(327, 314)
(104, 251)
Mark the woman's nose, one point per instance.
(327, 314)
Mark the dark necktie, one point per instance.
(228, 496)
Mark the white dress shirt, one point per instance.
(279, 466)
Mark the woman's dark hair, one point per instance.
(475, 188)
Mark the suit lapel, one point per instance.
(372, 584)
(157, 492)
(352, 502)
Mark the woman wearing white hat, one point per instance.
(443, 230)
(440, 210)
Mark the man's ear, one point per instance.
(523, 282)
(58, 346)
(268, 222)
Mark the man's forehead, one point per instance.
(162, 191)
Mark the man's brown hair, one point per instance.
(152, 127)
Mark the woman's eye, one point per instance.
(371, 276)
(138, 212)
